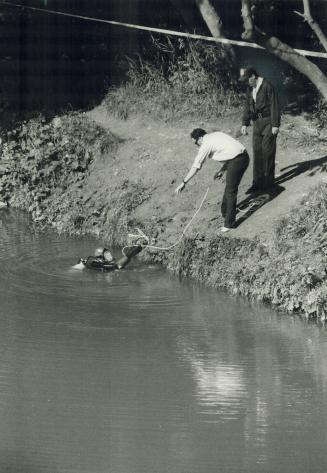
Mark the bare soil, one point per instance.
(159, 154)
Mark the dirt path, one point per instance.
(159, 155)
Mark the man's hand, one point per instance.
(219, 175)
(275, 130)
(179, 188)
(244, 130)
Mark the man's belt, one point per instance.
(256, 115)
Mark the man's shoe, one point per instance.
(270, 185)
(225, 229)
(251, 190)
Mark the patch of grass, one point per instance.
(175, 78)
(119, 216)
(287, 271)
(320, 112)
(41, 157)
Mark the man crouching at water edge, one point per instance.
(235, 159)
(104, 261)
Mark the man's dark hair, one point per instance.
(251, 72)
(247, 73)
(197, 133)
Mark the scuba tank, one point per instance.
(94, 262)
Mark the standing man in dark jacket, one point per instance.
(262, 108)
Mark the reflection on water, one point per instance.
(220, 386)
(137, 372)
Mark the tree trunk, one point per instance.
(300, 63)
(313, 24)
(214, 25)
(285, 52)
(247, 20)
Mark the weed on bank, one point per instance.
(41, 159)
(288, 270)
(175, 78)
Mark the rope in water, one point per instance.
(141, 234)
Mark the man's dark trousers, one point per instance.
(235, 169)
(264, 153)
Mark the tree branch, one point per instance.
(283, 50)
(306, 15)
(306, 8)
(247, 20)
(300, 14)
(214, 25)
(287, 54)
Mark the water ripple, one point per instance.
(34, 267)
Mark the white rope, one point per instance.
(302, 52)
(167, 248)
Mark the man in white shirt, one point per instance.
(235, 159)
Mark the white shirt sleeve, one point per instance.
(203, 153)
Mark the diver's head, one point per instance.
(99, 252)
(107, 255)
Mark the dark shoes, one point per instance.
(262, 187)
(251, 190)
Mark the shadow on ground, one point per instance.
(254, 202)
(294, 170)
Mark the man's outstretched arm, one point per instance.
(196, 166)
(187, 178)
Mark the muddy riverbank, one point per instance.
(90, 173)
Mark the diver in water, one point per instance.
(103, 260)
